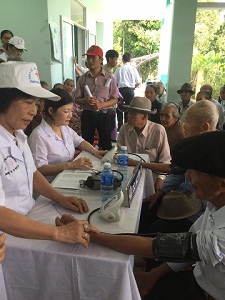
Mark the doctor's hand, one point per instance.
(99, 153)
(73, 203)
(82, 163)
(75, 231)
(2, 246)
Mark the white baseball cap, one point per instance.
(24, 77)
(17, 42)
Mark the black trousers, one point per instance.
(128, 95)
(177, 286)
(90, 121)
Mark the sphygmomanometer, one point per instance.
(178, 247)
(110, 210)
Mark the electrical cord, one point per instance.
(91, 213)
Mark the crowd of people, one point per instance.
(41, 130)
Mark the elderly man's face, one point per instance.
(206, 186)
(185, 97)
(136, 119)
(191, 127)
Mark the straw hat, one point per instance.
(176, 205)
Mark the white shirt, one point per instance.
(16, 171)
(47, 148)
(162, 99)
(127, 76)
(210, 271)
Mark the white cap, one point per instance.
(123, 147)
(24, 77)
(17, 42)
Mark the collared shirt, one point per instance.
(98, 87)
(152, 141)
(162, 99)
(105, 67)
(16, 171)
(127, 76)
(47, 148)
(210, 271)
(183, 109)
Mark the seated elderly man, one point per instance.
(143, 136)
(170, 119)
(185, 93)
(161, 92)
(209, 88)
(201, 117)
(203, 157)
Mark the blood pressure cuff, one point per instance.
(175, 247)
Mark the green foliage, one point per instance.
(209, 49)
(138, 38)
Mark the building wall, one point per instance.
(30, 20)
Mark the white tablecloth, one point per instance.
(46, 270)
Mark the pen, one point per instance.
(58, 209)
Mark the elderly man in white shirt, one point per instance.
(203, 245)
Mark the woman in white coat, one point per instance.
(19, 89)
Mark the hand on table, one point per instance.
(73, 203)
(71, 230)
(99, 153)
(82, 163)
(2, 246)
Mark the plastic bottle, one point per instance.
(107, 179)
(123, 162)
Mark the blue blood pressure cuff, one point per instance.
(175, 247)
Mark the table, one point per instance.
(46, 270)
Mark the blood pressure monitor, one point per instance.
(110, 210)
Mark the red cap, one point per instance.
(94, 50)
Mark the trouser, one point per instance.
(92, 120)
(128, 95)
(177, 286)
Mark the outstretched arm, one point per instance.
(133, 245)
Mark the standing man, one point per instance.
(96, 93)
(185, 93)
(127, 78)
(111, 57)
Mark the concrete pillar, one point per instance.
(181, 46)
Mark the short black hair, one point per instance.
(6, 31)
(66, 98)
(126, 57)
(111, 54)
(9, 95)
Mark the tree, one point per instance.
(138, 38)
(208, 51)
